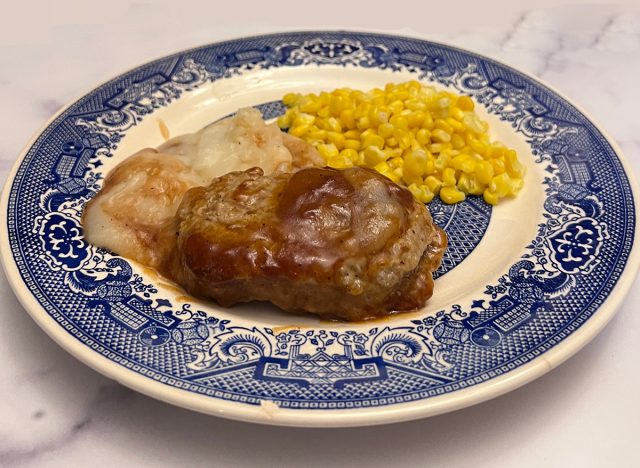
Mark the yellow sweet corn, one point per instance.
(371, 139)
(449, 176)
(415, 163)
(350, 154)
(421, 192)
(328, 150)
(433, 183)
(352, 144)
(451, 195)
(339, 161)
(374, 155)
(430, 140)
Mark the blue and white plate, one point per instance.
(523, 285)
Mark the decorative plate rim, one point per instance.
(337, 417)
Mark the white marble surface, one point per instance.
(54, 411)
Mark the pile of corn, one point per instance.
(431, 141)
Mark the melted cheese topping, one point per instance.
(234, 144)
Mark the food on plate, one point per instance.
(431, 141)
(347, 244)
(240, 211)
(143, 192)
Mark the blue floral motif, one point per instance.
(62, 241)
(576, 245)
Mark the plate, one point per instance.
(522, 287)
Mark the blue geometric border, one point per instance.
(543, 298)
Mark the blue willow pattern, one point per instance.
(100, 299)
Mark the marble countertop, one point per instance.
(54, 411)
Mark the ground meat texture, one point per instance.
(342, 244)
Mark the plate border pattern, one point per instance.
(573, 207)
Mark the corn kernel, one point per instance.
(421, 192)
(451, 195)
(433, 183)
(284, 121)
(440, 135)
(396, 161)
(346, 117)
(464, 163)
(310, 106)
(363, 123)
(336, 105)
(393, 152)
(398, 173)
(428, 121)
(514, 167)
(490, 197)
(337, 139)
(423, 136)
(317, 134)
(300, 130)
(384, 169)
(396, 106)
(501, 185)
(484, 172)
(290, 99)
(378, 116)
(465, 103)
(350, 154)
(352, 144)
(442, 161)
(391, 142)
(449, 176)
(473, 123)
(426, 195)
(334, 125)
(399, 122)
(416, 119)
(454, 124)
(404, 138)
(457, 114)
(372, 140)
(385, 130)
(324, 112)
(470, 185)
(328, 150)
(457, 142)
(374, 155)
(339, 161)
(415, 163)
(444, 126)
(413, 188)
(439, 147)
(498, 165)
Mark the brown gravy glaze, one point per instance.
(319, 217)
(344, 244)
